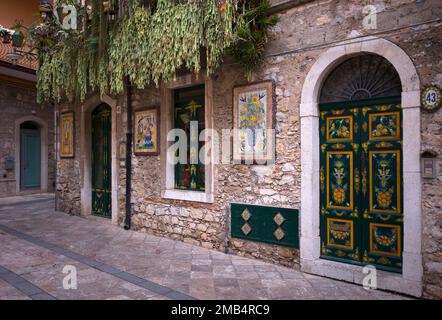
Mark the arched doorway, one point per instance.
(30, 156)
(86, 153)
(410, 280)
(361, 195)
(101, 161)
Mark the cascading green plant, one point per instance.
(150, 47)
(148, 43)
(252, 34)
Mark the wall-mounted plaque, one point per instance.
(67, 135)
(431, 99)
(146, 131)
(429, 168)
(253, 122)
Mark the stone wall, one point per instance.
(303, 33)
(426, 49)
(18, 100)
(68, 169)
(205, 224)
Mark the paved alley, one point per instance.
(37, 243)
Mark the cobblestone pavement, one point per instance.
(38, 242)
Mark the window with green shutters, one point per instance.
(189, 107)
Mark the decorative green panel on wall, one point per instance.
(265, 224)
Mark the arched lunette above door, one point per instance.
(365, 76)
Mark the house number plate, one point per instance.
(431, 99)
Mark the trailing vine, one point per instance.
(251, 34)
(148, 43)
(167, 39)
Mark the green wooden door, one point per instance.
(30, 158)
(101, 162)
(361, 184)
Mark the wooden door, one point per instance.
(361, 184)
(30, 158)
(101, 162)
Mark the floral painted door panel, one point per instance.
(382, 218)
(361, 185)
(340, 225)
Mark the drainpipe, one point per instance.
(57, 159)
(127, 220)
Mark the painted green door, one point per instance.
(101, 162)
(30, 158)
(361, 184)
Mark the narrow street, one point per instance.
(111, 263)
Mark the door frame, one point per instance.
(86, 154)
(43, 126)
(410, 281)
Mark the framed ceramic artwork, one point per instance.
(146, 131)
(253, 123)
(67, 135)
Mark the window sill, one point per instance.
(185, 195)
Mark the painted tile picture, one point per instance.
(67, 135)
(146, 136)
(253, 108)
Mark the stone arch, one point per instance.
(86, 151)
(42, 124)
(410, 281)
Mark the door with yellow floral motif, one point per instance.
(361, 183)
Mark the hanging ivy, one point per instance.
(251, 34)
(148, 43)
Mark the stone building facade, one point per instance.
(20, 173)
(311, 40)
(27, 163)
